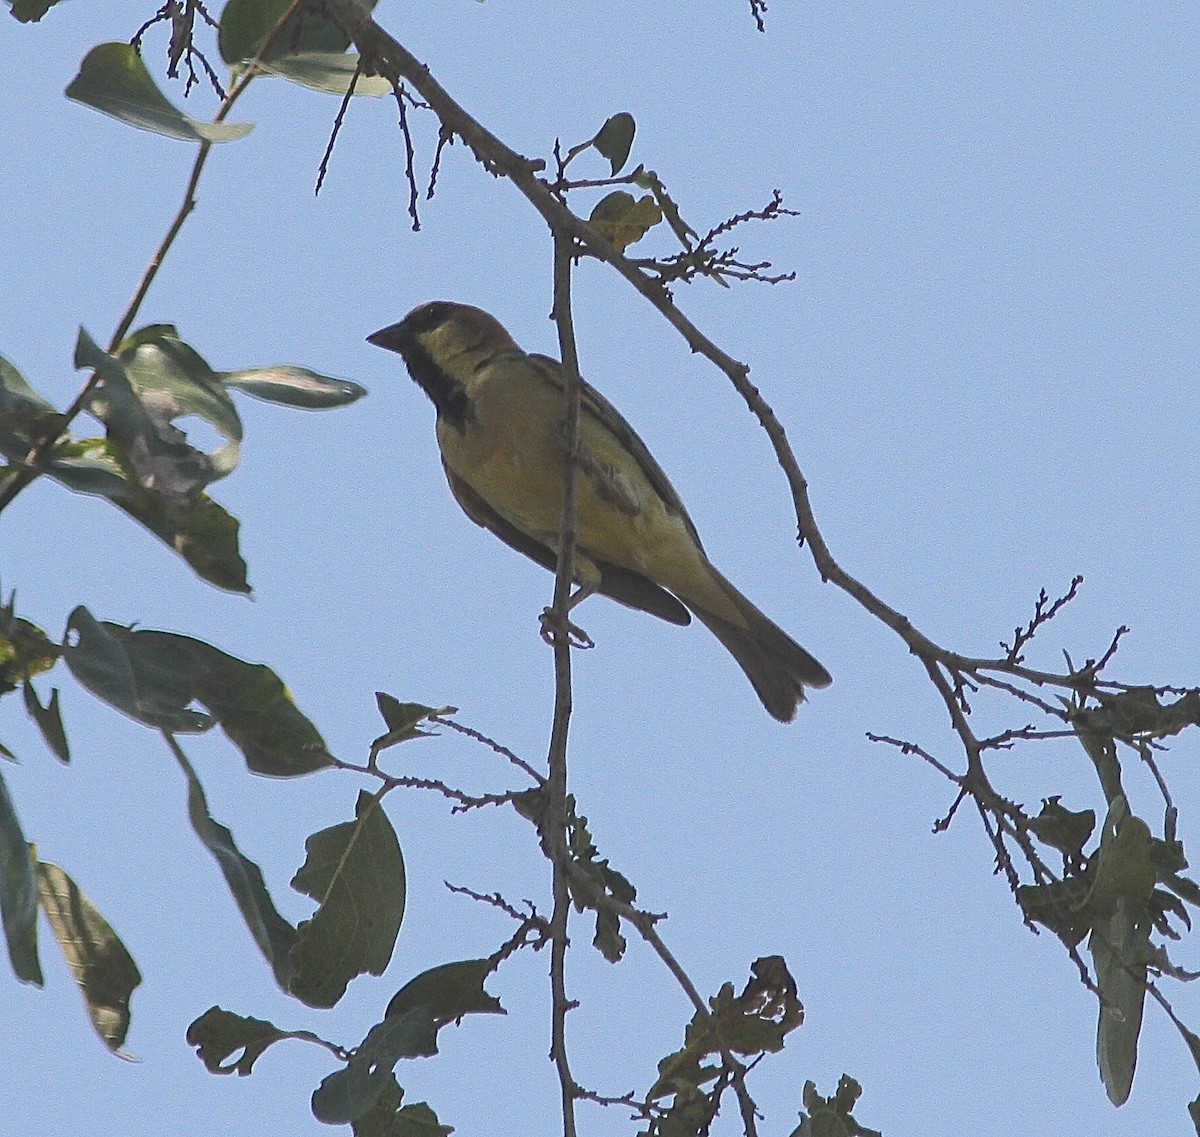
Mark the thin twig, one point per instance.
(734, 1067)
(555, 827)
(491, 744)
(339, 118)
(463, 801)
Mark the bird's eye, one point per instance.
(429, 316)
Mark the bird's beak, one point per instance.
(389, 337)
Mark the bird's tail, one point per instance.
(778, 668)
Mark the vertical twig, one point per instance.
(555, 831)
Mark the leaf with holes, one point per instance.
(623, 219)
(219, 1034)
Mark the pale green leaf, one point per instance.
(330, 71)
(114, 80)
(293, 387)
(347, 1094)
(624, 220)
(100, 962)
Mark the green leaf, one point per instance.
(293, 387)
(92, 466)
(155, 677)
(1120, 947)
(1137, 712)
(138, 410)
(30, 11)
(1062, 829)
(273, 934)
(49, 721)
(25, 650)
(25, 417)
(16, 393)
(89, 465)
(330, 71)
(387, 1118)
(753, 1023)
(166, 493)
(400, 716)
(615, 139)
(257, 713)
(401, 719)
(347, 1094)
(114, 80)
(156, 688)
(1185, 887)
(218, 1034)
(624, 220)
(355, 871)
(831, 1116)
(418, 1120)
(19, 400)
(448, 992)
(18, 893)
(246, 23)
(103, 968)
(1061, 905)
(172, 380)
(199, 530)
(608, 939)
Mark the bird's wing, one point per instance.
(621, 584)
(595, 404)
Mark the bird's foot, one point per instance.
(553, 626)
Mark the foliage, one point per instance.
(1124, 893)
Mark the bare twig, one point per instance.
(339, 118)
(554, 828)
(464, 801)
(410, 158)
(1043, 613)
(491, 744)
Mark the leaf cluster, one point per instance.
(751, 1024)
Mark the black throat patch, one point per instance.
(446, 393)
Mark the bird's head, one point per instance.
(455, 336)
(442, 344)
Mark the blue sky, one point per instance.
(986, 367)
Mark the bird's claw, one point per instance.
(553, 625)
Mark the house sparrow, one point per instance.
(499, 427)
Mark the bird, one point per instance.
(500, 415)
